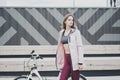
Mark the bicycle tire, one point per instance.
(82, 77)
(22, 78)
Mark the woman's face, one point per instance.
(69, 21)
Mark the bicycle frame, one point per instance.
(34, 70)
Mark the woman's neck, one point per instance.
(68, 28)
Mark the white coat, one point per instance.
(76, 50)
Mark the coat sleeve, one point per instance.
(60, 35)
(59, 56)
(79, 47)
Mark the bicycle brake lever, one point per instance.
(32, 51)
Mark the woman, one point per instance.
(69, 55)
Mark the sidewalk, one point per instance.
(104, 78)
(88, 78)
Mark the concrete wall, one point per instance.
(54, 3)
(36, 26)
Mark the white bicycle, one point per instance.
(32, 61)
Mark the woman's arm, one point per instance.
(79, 47)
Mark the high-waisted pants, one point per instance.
(67, 70)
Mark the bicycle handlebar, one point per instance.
(35, 56)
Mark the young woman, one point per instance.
(69, 55)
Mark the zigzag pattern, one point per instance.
(41, 26)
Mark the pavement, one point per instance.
(54, 78)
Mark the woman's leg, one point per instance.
(66, 69)
(65, 73)
(75, 75)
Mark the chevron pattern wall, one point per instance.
(41, 26)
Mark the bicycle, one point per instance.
(34, 58)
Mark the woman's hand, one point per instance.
(80, 67)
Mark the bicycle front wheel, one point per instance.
(22, 78)
(82, 77)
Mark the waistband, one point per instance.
(67, 53)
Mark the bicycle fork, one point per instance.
(36, 73)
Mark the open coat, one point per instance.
(76, 50)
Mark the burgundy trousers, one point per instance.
(67, 70)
